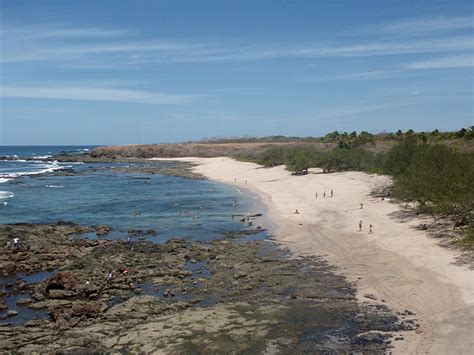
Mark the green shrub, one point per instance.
(299, 161)
(399, 158)
(272, 157)
(440, 176)
(467, 241)
(342, 159)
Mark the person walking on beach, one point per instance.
(332, 193)
(361, 205)
(360, 226)
(324, 194)
(316, 195)
(370, 229)
(16, 243)
(109, 276)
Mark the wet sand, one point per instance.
(397, 264)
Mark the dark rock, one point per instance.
(370, 296)
(102, 230)
(23, 301)
(135, 232)
(11, 313)
(61, 293)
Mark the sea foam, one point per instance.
(43, 169)
(6, 194)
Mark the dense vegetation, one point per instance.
(440, 178)
(353, 138)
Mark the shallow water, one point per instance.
(24, 312)
(96, 194)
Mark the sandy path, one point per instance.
(397, 263)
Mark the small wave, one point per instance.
(55, 186)
(42, 156)
(6, 194)
(45, 168)
(2, 180)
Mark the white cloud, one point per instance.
(109, 47)
(419, 25)
(329, 113)
(95, 94)
(58, 31)
(140, 53)
(459, 61)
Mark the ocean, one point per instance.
(46, 191)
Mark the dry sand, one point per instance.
(397, 263)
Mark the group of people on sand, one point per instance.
(331, 194)
(371, 227)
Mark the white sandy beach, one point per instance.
(397, 263)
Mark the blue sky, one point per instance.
(114, 72)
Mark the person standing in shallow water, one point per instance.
(332, 193)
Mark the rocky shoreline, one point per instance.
(178, 297)
(122, 165)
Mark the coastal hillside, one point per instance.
(248, 148)
(205, 150)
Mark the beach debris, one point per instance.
(370, 296)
